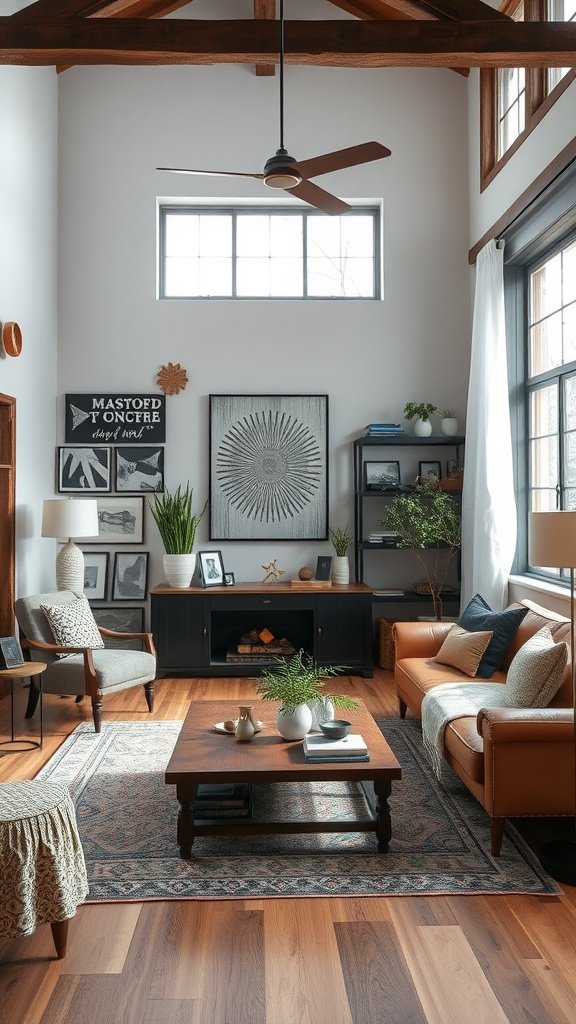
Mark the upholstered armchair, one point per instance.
(59, 629)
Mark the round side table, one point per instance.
(25, 671)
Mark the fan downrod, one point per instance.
(278, 172)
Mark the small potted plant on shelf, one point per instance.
(297, 682)
(177, 527)
(427, 519)
(341, 540)
(422, 411)
(448, 423)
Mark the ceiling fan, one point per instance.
(283, 171)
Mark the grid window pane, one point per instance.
(181, 235)
(570, 403)
(544, 412)
(546, 345)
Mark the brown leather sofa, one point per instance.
(517, 763)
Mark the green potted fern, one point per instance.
(341, 540)
(297, 683)
(177, 527)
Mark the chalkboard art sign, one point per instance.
(116, 419)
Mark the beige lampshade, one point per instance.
(552, 539)
(70, 517)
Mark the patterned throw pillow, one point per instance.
(73, 625)
(478, 615)
(536, 671)
(463, 650)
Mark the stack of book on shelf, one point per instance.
(223, 800)
(386, 537)
(384, 429)
(321, 749)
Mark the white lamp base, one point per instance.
(70, 568)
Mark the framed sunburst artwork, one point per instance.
(268, 467)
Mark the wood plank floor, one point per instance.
(433, 960)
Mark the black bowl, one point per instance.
(336, 729)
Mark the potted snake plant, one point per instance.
(177, 527)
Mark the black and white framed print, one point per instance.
(130, 576)
(268, 467)
(381, 476)
(120, 619)
(84, 469)
(429, 472)
(96, 575)
(120, 521)
(140, 468)
(115, 419)
(229, 579)
(10, 652)
(211, 568)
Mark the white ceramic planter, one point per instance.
(449, 426)
(341, 570)
(294, 724)
(422, 428)
(179, 569)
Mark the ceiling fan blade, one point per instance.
(317, 197)
(211, 174)
(342, 158)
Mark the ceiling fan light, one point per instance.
(282, 179)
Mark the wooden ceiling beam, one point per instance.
(265, 10)
(450, 10)
(368, 44)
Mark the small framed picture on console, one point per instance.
(323, 566)
(229, 579)
(211, 568)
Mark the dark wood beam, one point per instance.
(368, 44)
(265, 10)
(376, 10)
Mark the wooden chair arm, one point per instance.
(146, 638)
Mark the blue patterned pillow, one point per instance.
(478, 615)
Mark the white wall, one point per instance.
(28, 264)
(118, 124)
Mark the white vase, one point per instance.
(341, 570)
(449, 426)
(294, 723)
(422, 428)
(322, 711)
(179, 569)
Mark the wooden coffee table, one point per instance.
(202, 755)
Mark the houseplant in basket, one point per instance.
(341, 540)
(177, 526)
(297, 682)
(428, 521)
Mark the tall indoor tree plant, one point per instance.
(429, 522)
(177, 527)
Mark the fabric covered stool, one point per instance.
(43, 874)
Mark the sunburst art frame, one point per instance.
(268, 467)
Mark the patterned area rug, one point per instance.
(127, 820)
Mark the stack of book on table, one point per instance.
(386, 537)
(349, 748)
(223, 800)
(384, 429)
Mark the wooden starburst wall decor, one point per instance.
(172, 378)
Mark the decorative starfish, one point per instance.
(273, 573)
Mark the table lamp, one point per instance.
(70, 517)
(552, 544)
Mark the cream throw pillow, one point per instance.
(73, 625)
(464, 650)
(536, 671)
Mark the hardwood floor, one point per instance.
(433, 960)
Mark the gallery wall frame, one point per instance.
(139, 468)
(96, 575)
(84, 469)
(121, 619)
(130, 577)
(120, 521)
(269, 467)
(115, 418)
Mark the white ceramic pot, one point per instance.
(341, 570)
(295, 723)
(179, 569)
(449, 426)
(422, 428)
(322, 711)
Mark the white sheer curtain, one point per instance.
(488, 500)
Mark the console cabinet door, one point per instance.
(180, 627)
(343, 630)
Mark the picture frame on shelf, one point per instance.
(130, 578)
(211, 568)
(429, 471)
(323, 567)
(120, 619)
(382, 475)
(229, 579)
(96, 575)
(268, 467)
(139, 468)
(10, 653)
(84, 470)
(120, 521)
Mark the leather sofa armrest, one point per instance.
(419, 639)
(526, 725)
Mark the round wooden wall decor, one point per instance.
(172, 379)
(12, 338)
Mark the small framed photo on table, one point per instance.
(323, 566)
(211, 568)
(10, 652)
(381, 476)
(229, 579)
(429, 472)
